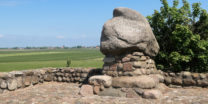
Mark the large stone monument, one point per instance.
(129, 46)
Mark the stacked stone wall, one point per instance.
(20, 79)
(184, 79)
(10, 81)
(132, 64)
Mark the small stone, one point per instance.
(19, 82)
(135, 58)
(172, 74)
(26, 81)
(138, 54)
(189, 82)
(109, 60)
(35, 80)
(60, 79)
(202, 76)
(177, 81)
(86, 90)
(143, 58)
(106, 68)
(96, 89)
(120, 67)
(127, 66)
(186, 74)
(195, 75)
(12, 84)
(142, 81)
(131, 94)
(152, 94)
(202, 83)
(125, 59)
(84, 75)
(139, 64)
(101, 80)
(3, 84)
(113, 67)
(143, 71)
(137, 72)
(168, 80)
(112, 73)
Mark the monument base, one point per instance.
(130, 64)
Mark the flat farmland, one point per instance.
(32, 59)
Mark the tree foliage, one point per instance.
(182, 33)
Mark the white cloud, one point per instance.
(60, 37)
(1, 36)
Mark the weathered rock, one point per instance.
(162, 87)
(35, 79)
(189, 82)
(96, 89)
(86, 90)
(3, 84)
(48, 77)
(177, 81)
(152, 94)
(138, 54)
(139, 64)
(127, 66)
(101, 80)
(12, 84)
(112, 92)
(26, 81)
(187, 74)
(128, 31)
(168, 80)
(142, 81)
(19, 82)
(109, 59)
(130, 93)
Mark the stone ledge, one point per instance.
(10, 81)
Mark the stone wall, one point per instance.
(20, 79)
(131, 64)
(184, 79)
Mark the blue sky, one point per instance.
(62, 22)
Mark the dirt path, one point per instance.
(65, 93)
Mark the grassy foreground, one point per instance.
(32, 59)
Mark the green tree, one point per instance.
(182, 33)
(68, 62)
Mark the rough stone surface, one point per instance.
(27, 81)
(142, 81)
(127, 31)
(112, 92)
(86, 90)
(12, 84)
(3, 84)
(68, 93)
(96, 89)
(101, 80)
(152, 94)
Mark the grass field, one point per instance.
(32, 59)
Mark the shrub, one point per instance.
(68, 62)
(182, 34)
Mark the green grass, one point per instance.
(32, 59)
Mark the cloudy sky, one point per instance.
(62, 22)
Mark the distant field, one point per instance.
(32, 59)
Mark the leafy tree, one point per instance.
(182, 33)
